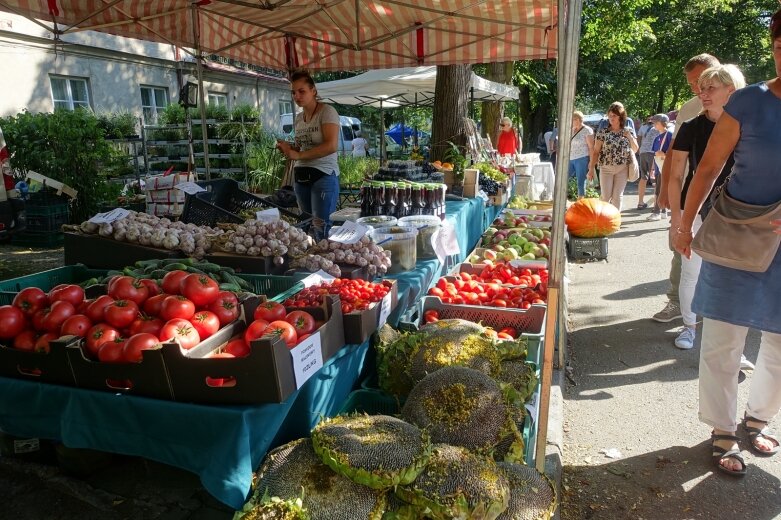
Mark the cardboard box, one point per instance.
(46, 367)
(249, 264)
(470, 190)
(167, 181)
(103, 253)
(471, 176)
(266, 375)
(166, 196)
(358, 326)
(148, 378)
(162, 209)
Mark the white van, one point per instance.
(348, 130)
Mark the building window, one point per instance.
(285, 107)
(153, 101)
(218, 99)
(69, 93)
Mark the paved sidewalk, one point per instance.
(631, 393)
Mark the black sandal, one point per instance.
(763, 432)
(719, 453)
(642, 206)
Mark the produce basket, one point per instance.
(223, 201)
(46, 280)
(529, 322)
(275, 288)
(587, 248)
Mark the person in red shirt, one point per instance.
(508, 141)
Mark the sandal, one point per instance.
(642, 206)
(764, 432)
(718, 454)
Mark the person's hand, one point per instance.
(682, 242)
(288, 150)
(777, 223)
(663, 201)
(590, 174)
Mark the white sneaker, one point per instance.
(685, 339)
(654, 216)
(745, 364)
(664, 215)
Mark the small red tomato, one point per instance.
(226, 307)
(270, 311)
(121, 313)
(25, 340)
(302, 321)
(97, 336)
(172, 280)
(30, 300)
(206, 323)
(180, 331)
(202, 290)
(431, 316)
(283, 330)
(131, 352)
(71, 293)
(237, 347)
(255, 330)
(12, 321)
(76, 325)
(510, 331)
(177, 307)
(42, 343)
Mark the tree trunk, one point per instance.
(534, 123)
(452, 93)
(493, 111)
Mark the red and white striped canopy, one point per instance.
(321, 34)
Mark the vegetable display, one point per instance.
(355, 295)
(326, 255)
(592, 218)
(463, 290)
(269, 239)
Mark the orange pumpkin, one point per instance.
(592, 218)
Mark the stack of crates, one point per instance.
(46, 213)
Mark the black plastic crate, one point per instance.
(46, 218)
(587, 248)
(223, 201)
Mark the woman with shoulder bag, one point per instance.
(614, 149)
(732, 300)
(316, 169)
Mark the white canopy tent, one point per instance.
(392, 88)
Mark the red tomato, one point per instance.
(76, 325)
(128, 288)
(153, 305)
(301, 338)
(200, 289)
(172, 280)
(177, 307)
(283, 330)
(96, 309)
(237, 347)
(111, 352)
(121, 313)
(302, 321)
(30, 301)
(226, 307)
(25, 340)
(131, 352)
(510, 331)
(504, 335)
(146, 324)
(42, 343)
(53, 317)
(431, 316)
(206, 323)
(72, 294)
(255, 330)
(270, 311)
(12, 321)
(182, 332)
(221, 381)
(151, 286)
(436, 291)
(97, 336)
(82, 308)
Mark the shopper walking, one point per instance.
(692, 70)
(612, 148)
(659, 148)
(580, 152)
(645, 159)
(316, 168)
(749, 128)
(360, 146)
(507, 142)
(716, 85)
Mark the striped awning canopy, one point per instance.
(320, 34)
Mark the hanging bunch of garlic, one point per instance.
(276, 239)
(362, 253)
(149, 230)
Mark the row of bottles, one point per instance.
(402, 199)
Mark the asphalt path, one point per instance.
(631, 394)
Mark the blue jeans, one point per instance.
(578, 168)
(319, 199)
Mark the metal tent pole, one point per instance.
(201, 94)
(567, 64)
(382, 134)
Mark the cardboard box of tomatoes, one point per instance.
(228, 369)
(103, 253)
(47, 363)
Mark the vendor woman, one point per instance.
(508, 141)
(316, 170)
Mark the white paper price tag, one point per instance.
(268, 215)
(483, 195)
(445, 242)
(109, 216)
(189, 187)
(532, 406)
(385, 310)
(307, 358)
(317, 278)
(348, 233)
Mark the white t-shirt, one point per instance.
(310, 134)
(578, 145)
(359, 147)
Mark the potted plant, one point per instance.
(454, 156)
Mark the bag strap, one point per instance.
(576, 133)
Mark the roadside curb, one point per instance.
(554, 450)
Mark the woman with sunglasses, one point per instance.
(731, 300)
(508, 141)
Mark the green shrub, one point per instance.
(245, 111)
(173, 114)
(265, 164)
(572, 190)
(353, 170)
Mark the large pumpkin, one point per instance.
(592, 218)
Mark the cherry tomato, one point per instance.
(177, 307)
(30, 300)
(237, 347)
(270, 311)
(76, 325)
(283, 330)
(121, 313)
(302, 321)
(172, 280)
(226, 307)
(182, 332)
(72, 294)
(12, 321)
(128, 288)
(206, 323)
(26, 340)
(131, 352)
(199, 289)
(255, 330)
(97, 336)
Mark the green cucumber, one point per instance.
(158, 274)
(177, 266)
(147, 263)
(208, 267)
(232, 287)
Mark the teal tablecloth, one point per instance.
(221, 444)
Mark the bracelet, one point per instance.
(683, 232)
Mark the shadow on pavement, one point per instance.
(676, 483)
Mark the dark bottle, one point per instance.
(378, 204)
(390, 198)
(416, 200)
